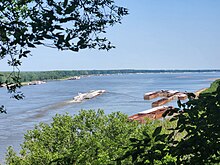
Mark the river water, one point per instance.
(124, 93)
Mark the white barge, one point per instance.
(89, 95)
(36, 82)
(74, 78)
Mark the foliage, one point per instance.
(61, 24)
(201, 122)
(2, 109)
(88, 138)
(213, 87)
(153, 147)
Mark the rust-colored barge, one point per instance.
(151, 95)
(160, 102)
(168, 95)
(154, 113)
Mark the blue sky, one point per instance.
(157, 34)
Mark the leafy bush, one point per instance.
(201, 122)
(212, 88)
(88, 138)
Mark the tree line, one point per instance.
(54, 75)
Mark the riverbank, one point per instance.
(197, 93)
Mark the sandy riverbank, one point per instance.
(197, 93)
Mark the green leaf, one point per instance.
(27, 51)
(70, 9)
(161, 138)
(68, 37)
(179, 103)
(58, 9)
(133, 140)
(58, 27)
(31, 45)
(157, 131)
(146, 134)
(171, 135)
(173, 118)
(65, 3)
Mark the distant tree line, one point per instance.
(54, 75)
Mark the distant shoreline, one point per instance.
(68, 74)
(127, 70)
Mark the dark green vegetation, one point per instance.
(190, 137)
(60, 24)
(201, 121)
(212, 88)
(54, 75)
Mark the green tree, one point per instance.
(152, 147)
(61, 24)
(200, 121)
(88, 138)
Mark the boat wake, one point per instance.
(81, 97)
(124, 94)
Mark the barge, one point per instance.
(168, 95)
(74, 78)
(158, 109)
(162, 93)
(160, 102)
(151, 95)
(89, 95)
(153, 113)
(177, 96)
(36, 83)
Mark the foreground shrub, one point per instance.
(201, 122)
(88, 138)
